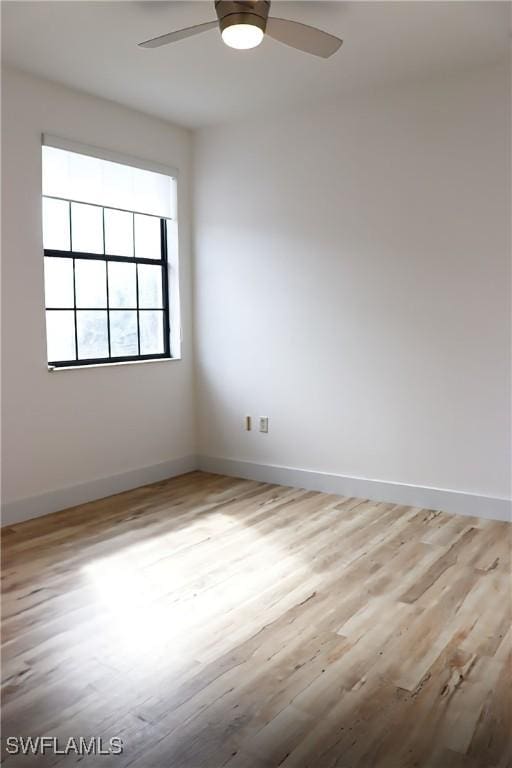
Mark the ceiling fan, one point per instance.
(243, 23)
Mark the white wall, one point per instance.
(67, 428)
(353, 285)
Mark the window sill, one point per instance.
(52, 369)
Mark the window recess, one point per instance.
(106, 267)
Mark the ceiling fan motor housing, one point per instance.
(253, 12)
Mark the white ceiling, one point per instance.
(92, 46)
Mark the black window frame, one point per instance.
(163, 263)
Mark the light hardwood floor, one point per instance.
(210, 621)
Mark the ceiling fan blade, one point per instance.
(303, 37)
(180, 34)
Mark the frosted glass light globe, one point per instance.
(242, 36)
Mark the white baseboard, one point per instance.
(456, 502)
(53, 501)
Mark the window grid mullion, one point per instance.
(165, 285)
(106, 360)
(162, 263)
(108, 207)
(106, 281)
(102, 309)
(100, 257)
(138, 307)
(74, 311)
(70, 231)
(136, 288)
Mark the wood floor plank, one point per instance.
(214, 622)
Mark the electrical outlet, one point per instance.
(264, 424)
(248, 424)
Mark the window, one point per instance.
(106, 266)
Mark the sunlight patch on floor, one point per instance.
(154, 602)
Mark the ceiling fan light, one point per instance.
(242, 36)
